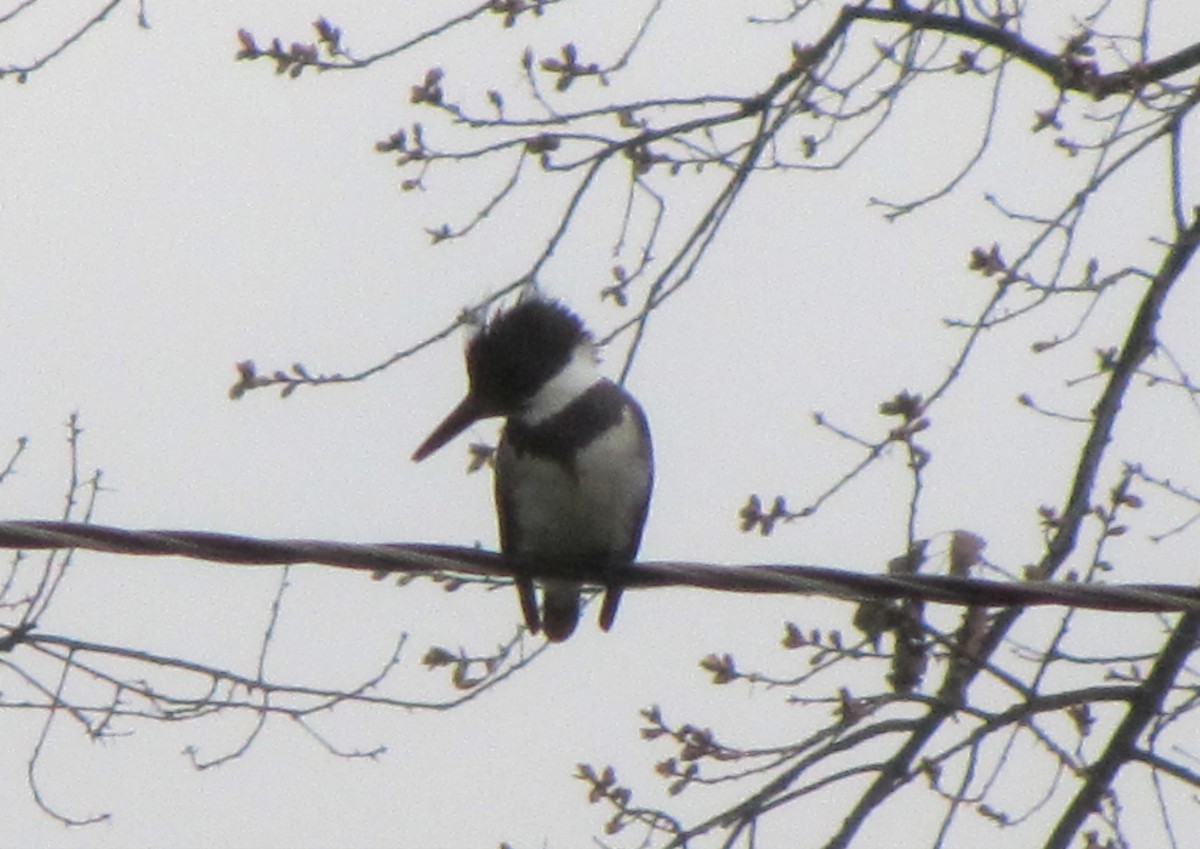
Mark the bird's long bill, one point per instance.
(461, 417)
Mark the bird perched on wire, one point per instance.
(574, 467)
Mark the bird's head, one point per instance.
(517, 353)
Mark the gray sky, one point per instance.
(168, 212)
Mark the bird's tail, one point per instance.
(560, 609)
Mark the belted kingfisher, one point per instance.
(574, 466)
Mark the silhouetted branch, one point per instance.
(22, 71)
(1069, 69)
(1145, 707)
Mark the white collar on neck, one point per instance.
(580, 374)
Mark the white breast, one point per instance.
(593, 511)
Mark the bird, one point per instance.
(574, 467)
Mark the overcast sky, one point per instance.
(166, 212)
